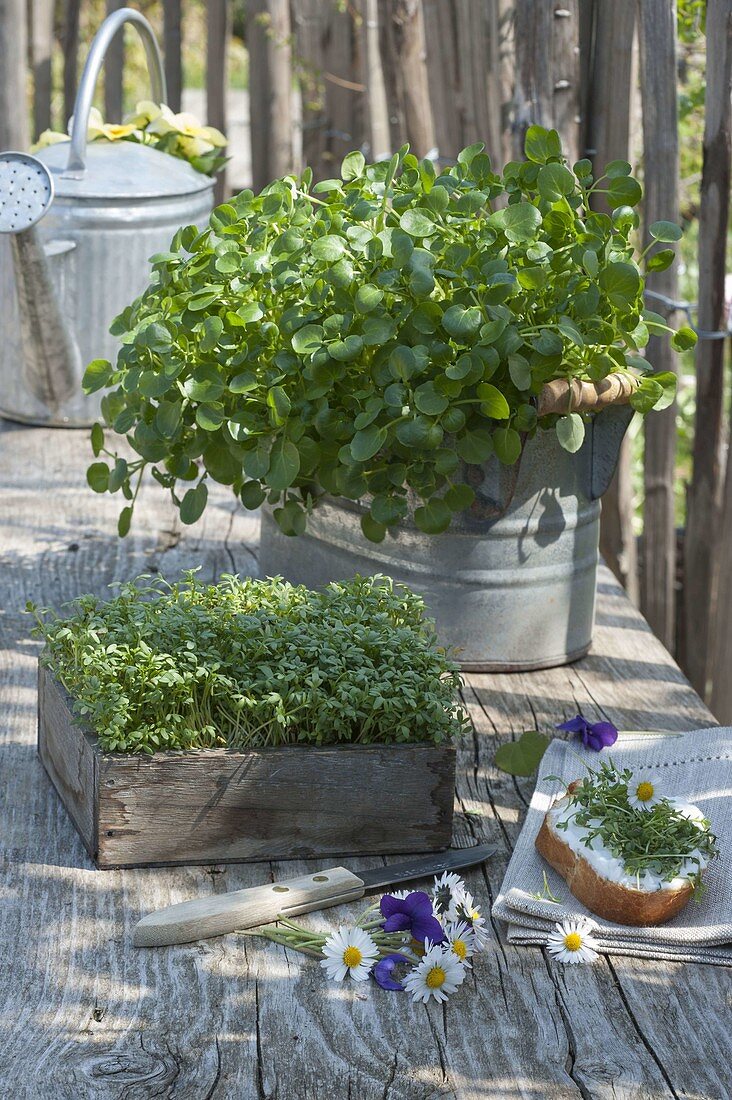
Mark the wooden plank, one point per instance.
(13, 51)
(114, 64)
(721, 701)
(70, 51)
(376, 123)
(41, 19)
(610, 78)
(69, 758)
(463, 46)
(86, 1015)
(172, 52)
(704, 498)
(446, 93)
(403, 53)
(657, 28)
(217, 76)
(330, 62)
(547, 78)
(270, 89)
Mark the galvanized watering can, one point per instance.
(511, 585)
(81, 223)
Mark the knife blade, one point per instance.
(202, 918)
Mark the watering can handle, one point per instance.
(76, 165)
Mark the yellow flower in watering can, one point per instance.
(110, 131)
(194, 140)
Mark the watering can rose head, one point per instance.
(154, 124)
(367, 336)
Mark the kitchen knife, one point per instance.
(257, 905)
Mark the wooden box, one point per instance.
(221, 806)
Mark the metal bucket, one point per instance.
(115, 205)
(511, 585)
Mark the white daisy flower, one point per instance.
(461, 940)
(438, 975)
(643, 794)
(349, 951)
(572, 942)
(466, 910)
(400, 894)
(443, 894)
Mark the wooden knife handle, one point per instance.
(222, 913)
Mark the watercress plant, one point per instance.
(368, 336)
(250, 663)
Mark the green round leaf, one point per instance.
(210, 417)
(98, 477)
(204, 385)
(617, 168)
(374, 531)
(475, 447)
(252, 495)
(541, 144)
(684, 339)
(571, 432)
(555, 181)
(648, 393)
(659, 261)
(520, 372)
(244, 382)
(96, 375)
(250, 312)
(434, 517)
(521, 221)
(459, 497)
(665, 231)
(507, 444)
(668, 382)
(97, 439)
(493, 402)
(417, 223)
(124, 521)
(624, 191)
(284, 464)
(345, 351)
(462, 322)
(308, 339)
(353, 165)
(329, 248)
(522, 757)
(366, 443)
(193, 503)
(367, 298)
(428, 399)
(291, 518)
(621, 282)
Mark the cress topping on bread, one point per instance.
(631, 834)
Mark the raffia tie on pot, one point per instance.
(563, 396)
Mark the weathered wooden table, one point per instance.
(85, 1015)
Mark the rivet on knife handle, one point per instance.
(221, 913)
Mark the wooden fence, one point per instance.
(440, 74)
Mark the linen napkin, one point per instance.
(696, 767)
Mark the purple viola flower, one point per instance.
(384, 969)
(595, 735)
(412, 914)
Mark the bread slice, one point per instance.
(612, 901)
